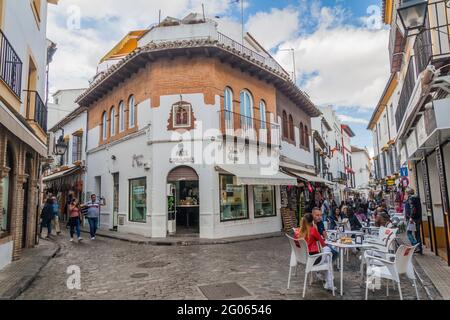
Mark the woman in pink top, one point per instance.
(74, 219)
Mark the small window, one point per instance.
(285, 125)
(121, 116)
(105, 126)
(182, 115)
(246, 110)
(228, 107)
(306, 137)
(77, 142)
(138, 200)
(132, 112)
(113, 122)
(291, 128)
(262, 112)
(302, 135)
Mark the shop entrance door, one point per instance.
(185, 185)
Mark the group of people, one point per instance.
(90, 210)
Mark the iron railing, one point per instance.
(10, 66)
(238, 125)
(36, 109)
(423, 51)
(268, 61)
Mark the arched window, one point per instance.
(262, 112)
(112, 119)
(291, 128)
(246, 110)
(121, 116)
(306, 137)
(104, 126)
(132, 112)
(285, 125)
(228, 107)
(302, 134)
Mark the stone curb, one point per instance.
(25, 282)
(196, 242)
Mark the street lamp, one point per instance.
(61, 146)
(413, 15)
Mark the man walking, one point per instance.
(93, 214)
(415, 209)
(55, 220)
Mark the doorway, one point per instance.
(115, 201)
(184, 201)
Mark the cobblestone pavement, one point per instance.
(112, 269)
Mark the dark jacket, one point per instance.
(416, 208)
(332, 219)
(354, 223)
(47, 212)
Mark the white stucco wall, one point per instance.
(6, 251)
(27, 39)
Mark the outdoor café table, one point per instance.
(342, 247)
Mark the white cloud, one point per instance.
(349, 119)
(103, 23)
(274, 27)
(339, 64)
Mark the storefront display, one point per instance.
(264, 201)
(138, 196)
(233, 199)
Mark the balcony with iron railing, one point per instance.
(10, 66)
(236, 125)
(36, 110)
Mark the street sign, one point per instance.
(404, 171)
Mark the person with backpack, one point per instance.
(415, 219)
(47, 217)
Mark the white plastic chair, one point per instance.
(390, 267)
(300, 255)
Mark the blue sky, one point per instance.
(340, 45)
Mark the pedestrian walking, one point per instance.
(56, 213)
(415, 209)
(74, 219)
(93, 214)
(46, 217)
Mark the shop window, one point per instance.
(138, 200)
(77, 142)
(132, 112)
(246, 110)
(264, 201)
(233, 199)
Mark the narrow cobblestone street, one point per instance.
(112, 269)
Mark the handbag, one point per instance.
(411, 226)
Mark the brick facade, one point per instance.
(23, 171)
(182, 75)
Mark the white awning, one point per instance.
(257, 175)
(310, 177)
(61, 174)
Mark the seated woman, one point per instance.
(361, 215)
(353, 221)
(334, 218)
(309, 233)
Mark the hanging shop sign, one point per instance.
(390, 182)
(426, 183)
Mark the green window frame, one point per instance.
(138, 200)
(264, 201)
(231, 210)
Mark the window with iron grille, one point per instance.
(76, 148)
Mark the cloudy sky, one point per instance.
(340, 45)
